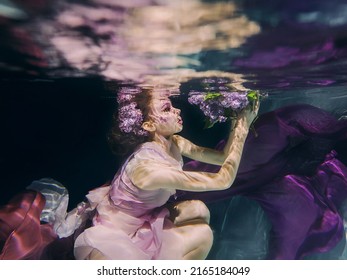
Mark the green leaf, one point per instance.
(252, 95)
(208, 123)
(212, 95)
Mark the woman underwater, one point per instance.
(301, 195)
(132, 220)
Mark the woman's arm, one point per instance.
(207, 155)
(203, 154)
(150, 175)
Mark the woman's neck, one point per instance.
(164, 142)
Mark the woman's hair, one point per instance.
(124, 143)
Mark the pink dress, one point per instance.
(131, 223)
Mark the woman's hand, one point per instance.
(248, 115)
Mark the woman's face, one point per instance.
(165, 117)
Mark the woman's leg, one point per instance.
(95, 254)
(191, 233)
(189, 212)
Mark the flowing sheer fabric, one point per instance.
(131, 223)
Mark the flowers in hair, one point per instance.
(130, 117)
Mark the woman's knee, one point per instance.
(194, 211)
(201, 242)
(88, 253)
(96, 255)
(202, 210)
(207, 236)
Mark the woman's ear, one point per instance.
(148, 126)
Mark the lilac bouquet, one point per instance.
(219, 103)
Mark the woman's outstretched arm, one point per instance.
(199, 153)
(212, 156)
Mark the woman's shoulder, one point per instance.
(146, 153)
(149, 150)
(153, 154)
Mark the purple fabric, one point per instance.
(291, 170)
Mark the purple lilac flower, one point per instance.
(216, 106)
(130, 119)
(235, 100)
(196, 98)
(212, 110)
